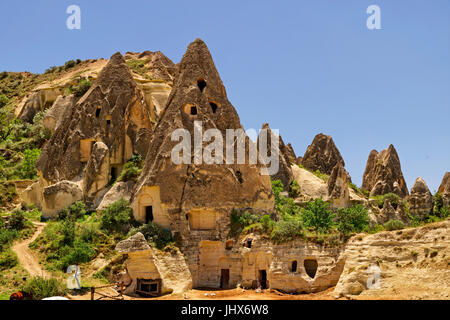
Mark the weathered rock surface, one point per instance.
(134, 243)
(59, 196)
(195, 201)
(113, 111)
(199, 94)
(411, 263)
(322, 155)
(290, 154)
(420, 199)
(59, 110)
(444, 189)
(311, 187)
(296, 266)
(284, 173)
(96, 174)
(147, 263)
(338, 187)
(383, 173)
(120, 190)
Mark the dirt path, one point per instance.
(26, 257)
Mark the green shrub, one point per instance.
(7, 236)
(7, 193)
(317, 216)
(284, 231)
(354, 219)
(27, 169)
(3, 100)
(286, 207)
(73, 212)
(81, 252)
(68, 232)
(392, 197)
(267, 223)
(117, 217)
(81, 88)
(42, 288)
(155, 234)
(137, 66)
(8, 259)
(132, 169)
(294, 189)
(394, 225)
(17, 220)
(69, 64)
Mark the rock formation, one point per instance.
(56, 114)
(112, 111)
(338, 187)
(290, 154)
(383, 173)
(284, 173)
(96, 136)
(405, 264)
(189, 197)
(168, 270)
(322, 155)
(420, 199)
(444, 189)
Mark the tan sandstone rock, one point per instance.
(383, 173)
(444, 189)
(59, 196)
(322, 155)
(420, 199)
(411, 264)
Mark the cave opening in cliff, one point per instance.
(113, 173)
(213, 107)
(294, 266)
(248, 243)
(97, 112)
(310, 267)
(201, 83)
(193, 111)
(148, 287)
(263, 279)
(224, 278)
(148, 214)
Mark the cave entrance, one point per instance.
(311, 267)
(224, 278)
(148, 214)
(113, 173)
(201, 83)
(263, 279)
(213, 107)
(193, 111)
(148, 287)
(294, 266)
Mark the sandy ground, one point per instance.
(233, 294)
(26, 257)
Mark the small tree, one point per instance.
(117, 217)
(27, 169)
(354, 219)
(17, 221)
(318, 216)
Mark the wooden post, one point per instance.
(92, 293)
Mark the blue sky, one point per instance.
(303, 66)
